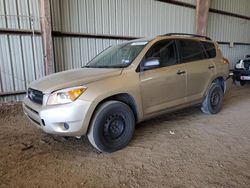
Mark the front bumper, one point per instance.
(241, 74)
(67, 120)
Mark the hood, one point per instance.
(71, 78)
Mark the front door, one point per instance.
(163, 87)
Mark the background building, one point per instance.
(83, 28)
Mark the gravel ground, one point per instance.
(181, 149)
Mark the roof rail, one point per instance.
(188, 34)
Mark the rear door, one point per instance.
(164, 86)
(200, 68)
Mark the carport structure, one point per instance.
(40, 37)
(180, 149)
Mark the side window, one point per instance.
(190, 50)
(210, 49)
(164, 51)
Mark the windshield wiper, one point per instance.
(86, 66)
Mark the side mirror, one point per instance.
(150, 64)
(247, 56)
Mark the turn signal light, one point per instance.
(225, 61)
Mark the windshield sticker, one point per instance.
(139, 43)
(125, 61)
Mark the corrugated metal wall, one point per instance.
(121, 17)
(241, 7)
(230, 29)
(19, 14)
(21, 56)
(137, 18)
(235, 53)
(76, 52)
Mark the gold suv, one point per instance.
(126, 84)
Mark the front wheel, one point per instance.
(112, 126)
(213, 101)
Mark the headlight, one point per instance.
(65, 95)
(240, 65)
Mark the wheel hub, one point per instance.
(114, 127)
(215, 98)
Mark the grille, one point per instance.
(31, 109)
(36, 122)
(35, 96)
(247, 64)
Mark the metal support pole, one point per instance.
(202, 11)
(45, 17)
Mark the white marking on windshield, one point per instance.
(139, 43)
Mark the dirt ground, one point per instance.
(181, 149)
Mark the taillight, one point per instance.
(225, 61)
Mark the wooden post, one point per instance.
(45, 17)
(202, 11)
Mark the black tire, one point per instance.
(213, 101)
(112, 126)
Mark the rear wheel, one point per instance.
(213, 101)
(112, 126)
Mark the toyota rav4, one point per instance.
(126, 84)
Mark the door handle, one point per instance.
(210, 66)
(180, 72)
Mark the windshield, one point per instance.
(118, 56)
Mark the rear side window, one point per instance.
(210, 49)
(191, 50)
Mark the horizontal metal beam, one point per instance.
(85, 35)
(18, 32)
(174, 2)
(5, 94)
(189, 5)
(228, 14)
(88, 35)
(235, 43)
